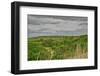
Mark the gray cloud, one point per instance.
(39, 25)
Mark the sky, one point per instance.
(46, 25)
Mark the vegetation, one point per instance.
(57, 47)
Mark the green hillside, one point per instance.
(57, 47)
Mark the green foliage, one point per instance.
(57, 47)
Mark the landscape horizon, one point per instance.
(57, 37)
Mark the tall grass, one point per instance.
(57, 47)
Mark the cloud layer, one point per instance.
(40, 25)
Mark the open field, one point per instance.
(57, 47)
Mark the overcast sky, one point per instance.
(42, 25)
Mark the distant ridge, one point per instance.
(59, 36)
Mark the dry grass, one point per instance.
(54, 47)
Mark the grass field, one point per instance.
(57, 47)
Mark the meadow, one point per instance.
(57, 47)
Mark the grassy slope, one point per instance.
(57, 47)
